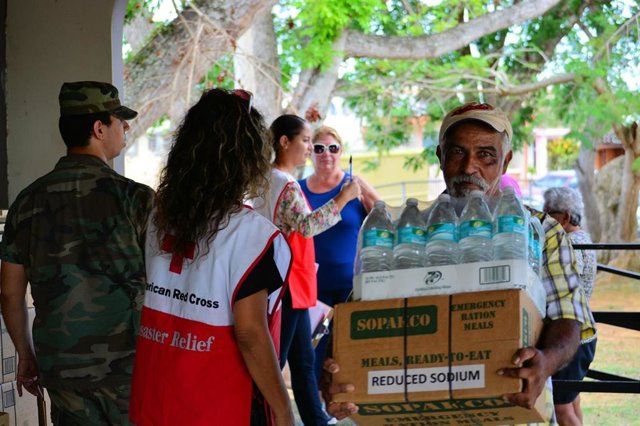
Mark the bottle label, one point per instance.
(476, 228)
(511, 223)
(411, 235)
(377, 238)
(441, 232)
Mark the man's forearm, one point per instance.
(13, 283)
(559, 341)
(17, 322)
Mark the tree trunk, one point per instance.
(626, 218)
(137, 31)
(161, 79)
(617, 187)
(257, 68)
(317, 89)
(586, 182)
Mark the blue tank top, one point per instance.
(336, 247)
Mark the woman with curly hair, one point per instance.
(215, 269)
(288, 208)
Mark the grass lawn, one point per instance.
(617, 352)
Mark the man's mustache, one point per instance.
(470, 179)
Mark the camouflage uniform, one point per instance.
(79, 231)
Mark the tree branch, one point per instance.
(435, 45)
(535, 86)
(626, 28)
(432, 85)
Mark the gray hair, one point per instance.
(563, 199)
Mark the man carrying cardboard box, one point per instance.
(474, 152)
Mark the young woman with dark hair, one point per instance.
(287, 207)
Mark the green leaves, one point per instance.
(598, 42)
(308, 29)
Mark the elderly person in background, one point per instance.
(336, 247)
(565, 206)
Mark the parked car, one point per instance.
(533, 195)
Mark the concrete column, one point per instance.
(49, 42)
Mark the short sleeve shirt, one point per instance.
(79, 233)
(565, 297)
(586, 261)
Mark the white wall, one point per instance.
(50, 42)
(542, 136)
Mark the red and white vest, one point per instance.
(188, 368)
(303, 283)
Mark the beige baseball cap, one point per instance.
(486, 113)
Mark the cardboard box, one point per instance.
(22, 410)
(468, 411)
(446, 349)
(4, 419)
(450, 279)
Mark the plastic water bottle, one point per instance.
(476, 230)
(510, 228)
(442, 230)
(536, 243)
(408, 251)
(376, 252)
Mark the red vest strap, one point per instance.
(176, 259)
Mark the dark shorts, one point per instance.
(576, 370)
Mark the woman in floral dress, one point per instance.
(286, 205)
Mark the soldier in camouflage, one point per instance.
(77, 236)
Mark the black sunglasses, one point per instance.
(244, 94)
(319, 148)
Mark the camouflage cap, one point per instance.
(88, 97)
